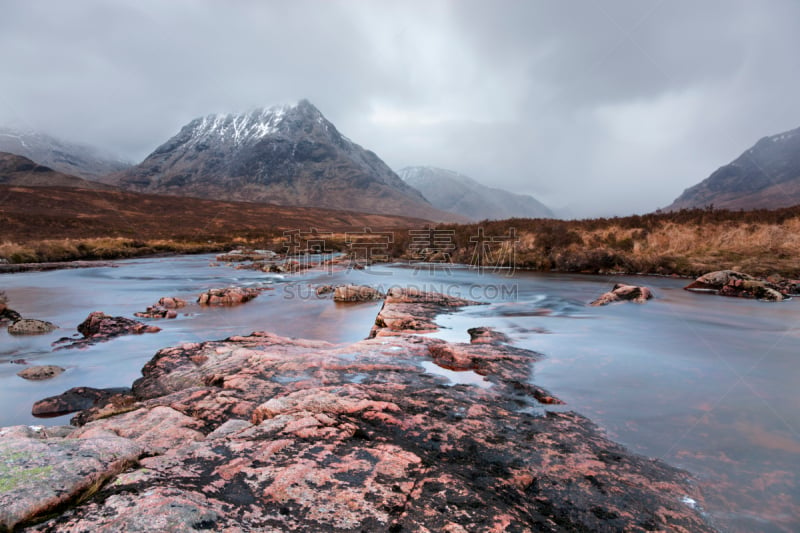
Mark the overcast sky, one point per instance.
(601, 107)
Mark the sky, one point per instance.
(596, 108)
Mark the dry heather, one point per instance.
(684, 243)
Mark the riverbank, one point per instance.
(686, 243)
(262, 431)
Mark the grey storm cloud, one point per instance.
(599, 107)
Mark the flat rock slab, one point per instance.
(266, 433)
(40, 476)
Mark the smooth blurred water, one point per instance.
(709, 384)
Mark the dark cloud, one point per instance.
(606, 107)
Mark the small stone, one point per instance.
(38, 373)
(31, 326)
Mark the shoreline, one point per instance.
(20, 268)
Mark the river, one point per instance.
(706, 383)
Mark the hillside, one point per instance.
(18, 170)
(460, 194)
(766, 176)
(52, 223)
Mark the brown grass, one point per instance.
(689, 242)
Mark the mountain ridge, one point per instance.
(283, 155)
(71, 158)
(767, 175)
(17, 170)
(463, 195)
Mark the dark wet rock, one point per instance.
(741, 285)
(38, 373)
(624, 293)
(486, 336)
(356, 293)
(31, 326)
(100, 327)
(165, 308)
(7, 314)
(75, 399)
(40, 475)
(228, 297)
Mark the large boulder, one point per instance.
(227, 297)
(356, 293)
(624, 293)
(740, 285)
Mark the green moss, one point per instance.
(12, 476)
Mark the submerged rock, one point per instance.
(38, 373)
(31, 326)
(227, 297)
(624, 293)
(741, 285)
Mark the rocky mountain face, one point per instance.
(286, 155)
(456, 193)
(70, 158)
(765, 176)
(21, 171)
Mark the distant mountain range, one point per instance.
(454, 192)
(63, 156)
(285, 155)
(21, 171)
(765, 176)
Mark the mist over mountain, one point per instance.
(284, 155)
(63, 156)
(765, 176)
(454, 192)
(21, 171)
